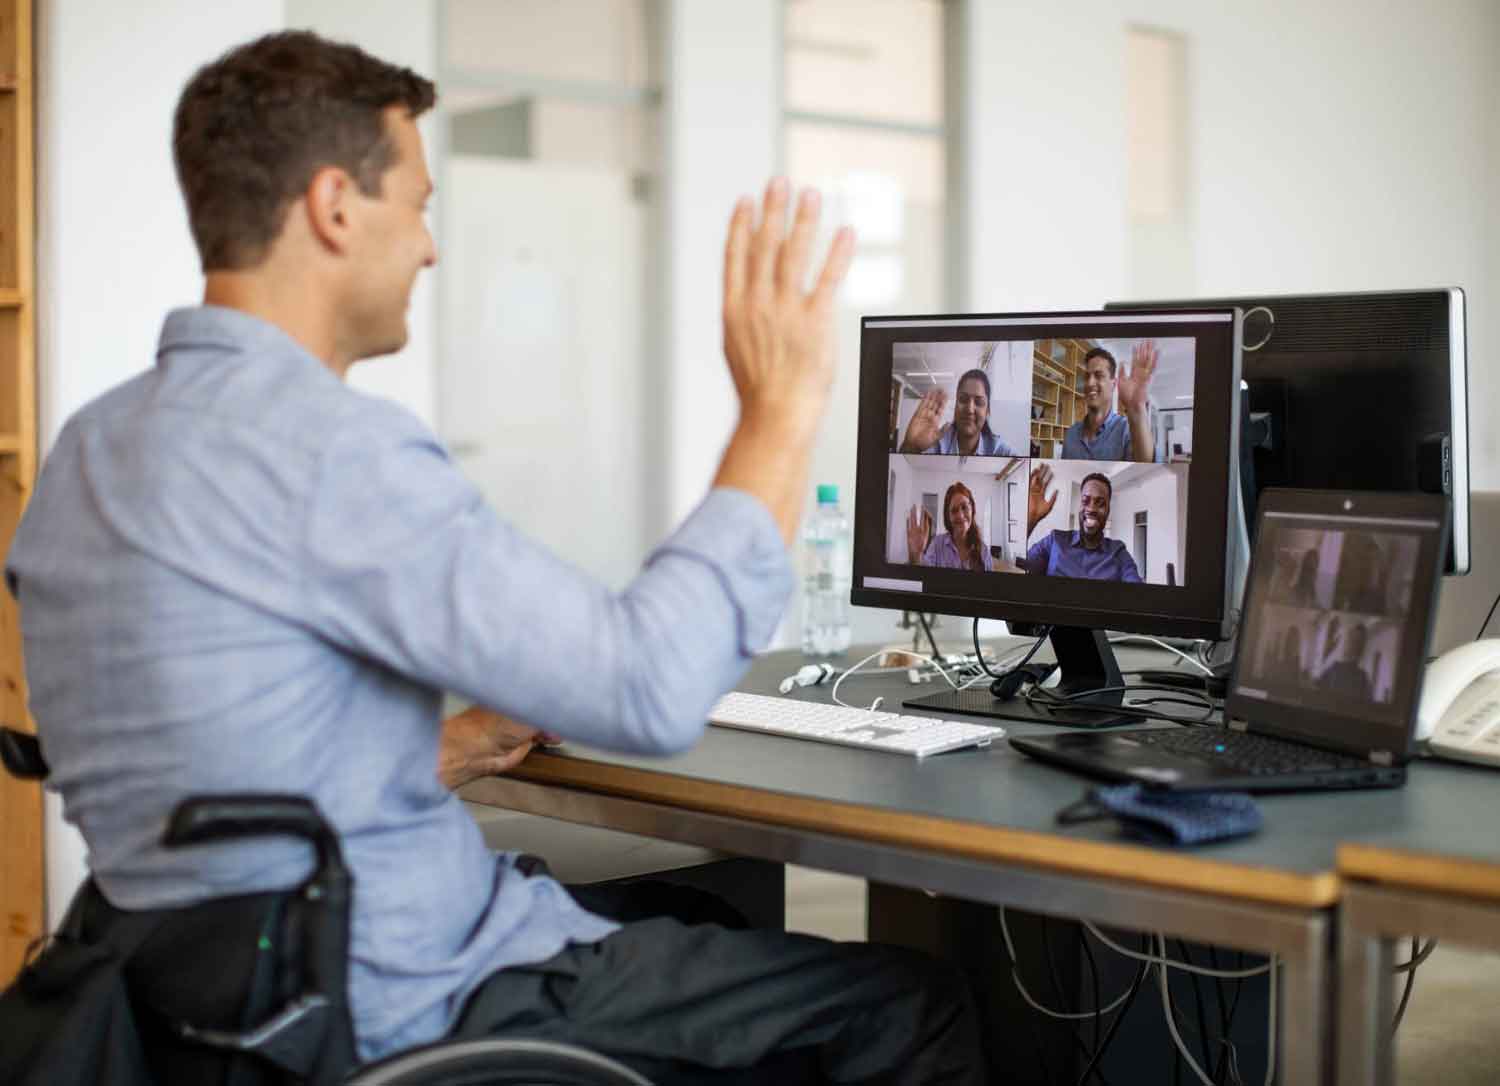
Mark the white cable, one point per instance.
(834, 693)
(936, 665)
(1159, 643)
(1186, 967)
(874, 706)
(1065, 1015)
(1166, 1010)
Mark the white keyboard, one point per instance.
(916, 735)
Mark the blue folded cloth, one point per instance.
(1175, 818)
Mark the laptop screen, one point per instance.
(1337, 615)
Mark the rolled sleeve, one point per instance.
(734, 536)
(407, 565)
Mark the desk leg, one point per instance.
(1367, 1050)
(1306, 1023)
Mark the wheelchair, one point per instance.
(250, 990)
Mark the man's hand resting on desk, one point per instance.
(480, 742)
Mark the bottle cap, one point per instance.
(828, 494)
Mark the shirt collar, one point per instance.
(220, 326)
(1076, 535)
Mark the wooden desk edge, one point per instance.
(1406, 869)
(1133, 863)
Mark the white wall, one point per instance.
(722, 135)
(402, 32)
(113, 249)
(1347, 145)
(1154, 491)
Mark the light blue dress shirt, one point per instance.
(239, 574)
(1112, 442)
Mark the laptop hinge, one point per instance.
(1382, 757)
(1238, 725)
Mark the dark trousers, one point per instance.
(703, 1003)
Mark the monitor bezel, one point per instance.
(1182, 611)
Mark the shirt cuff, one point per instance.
(734, 535)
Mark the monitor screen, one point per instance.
(1069, 468)
(1337, 611)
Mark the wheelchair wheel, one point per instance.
(498, 1062)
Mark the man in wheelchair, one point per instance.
(239, 575)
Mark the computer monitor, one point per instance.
(1356, 392)
(1072, 470)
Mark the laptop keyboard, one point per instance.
(1253, 755)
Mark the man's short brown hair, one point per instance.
(254, 126)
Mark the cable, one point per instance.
(1067, 1016)
(1083, 941)
(1206, 1052)
(1418, 956)
(874, 706)
(1187, 967)
(1166, 1010)
(1202, 702)
(978, 652)
(1159, 643)
(1226, 1029)
(1114, 1027)
(1487, 617)
(936, 664)
(1052, 700)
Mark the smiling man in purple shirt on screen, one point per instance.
(1084, 553)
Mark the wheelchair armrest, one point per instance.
(22, 754)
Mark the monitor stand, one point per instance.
(1087, 662)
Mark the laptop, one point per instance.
(1328, 667)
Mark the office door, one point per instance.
(541, 393)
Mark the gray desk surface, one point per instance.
(999, 804)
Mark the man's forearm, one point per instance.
(1141, 446)
(768, 456)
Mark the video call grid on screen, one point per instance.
(978, 425)
(1096, 414)
(1331, 612)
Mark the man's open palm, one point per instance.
(1038, 502)
(1135, 384)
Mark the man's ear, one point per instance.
(331, 207)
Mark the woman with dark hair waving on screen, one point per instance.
(969, 433)
(960, 547)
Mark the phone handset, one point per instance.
(1459, 714)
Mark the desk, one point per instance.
(976, 825)
(1435, 872)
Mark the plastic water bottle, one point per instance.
(827, 563)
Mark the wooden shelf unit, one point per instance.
(21, 870)
(1057, 374)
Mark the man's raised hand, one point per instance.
(778, 336)
(1135, 384)
(1038, 502)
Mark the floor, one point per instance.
(1449, 1034)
